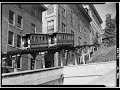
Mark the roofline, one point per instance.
(44, 8)
(85, 13)
(96, 13)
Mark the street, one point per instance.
(91, 74)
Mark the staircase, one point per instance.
(104, 55)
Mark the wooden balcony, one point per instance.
(62, 38)
(33, 40)
(45, 40)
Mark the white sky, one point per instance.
(104, 9)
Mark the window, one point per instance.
(72, 18)
(63, 27)
(50, 9)
(19, 25)
(10, 38)
(33, 28)
(11, 17)
(50, 26)
(33, 12)
(63, 12)
(18, 41)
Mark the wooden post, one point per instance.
(14, 63)
(43, 59)
(61, 58)
(56, 59)
(66, 56)
(75, 57)
(83, 56)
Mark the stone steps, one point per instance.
(104, 57)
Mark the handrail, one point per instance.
(29, 71)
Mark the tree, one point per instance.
(95, 41)
(110, 31)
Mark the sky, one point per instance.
(104, 9)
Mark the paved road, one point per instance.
(91, 74)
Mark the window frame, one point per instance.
(12, 39)
(20, 41)
(32, 24)
(21, 26)
(51, 23)
(63, 27)
(13, 22)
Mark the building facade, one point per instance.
(96, 22)
(18, 20)
(69, 18)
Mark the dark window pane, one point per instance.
(18, 41)
(10, 38)
(33, 27)
(11, 16)
(19, 21)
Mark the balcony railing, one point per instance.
(41, 40)
(65, 38)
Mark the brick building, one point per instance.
(69, 18)
(17, 20)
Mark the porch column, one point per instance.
(43, 59)
(33, 65)
(83, 56)
(89, 52)
(75, 57)
(56, 59)
(61, 58)
(14, 63)
(66, 56)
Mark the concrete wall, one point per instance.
(32, 77)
